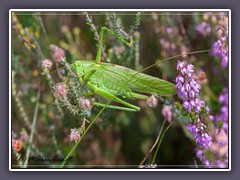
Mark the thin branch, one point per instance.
(155, 143)
(160, 142)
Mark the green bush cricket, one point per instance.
(114, 82)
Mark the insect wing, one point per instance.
(140, 82)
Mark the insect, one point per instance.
(116, 82)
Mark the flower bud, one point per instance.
(61, 90)
(167, 113)
(46, 64)
(85, 104)
(152, 101)
(75, 135)
(17, 145)
(57, 53)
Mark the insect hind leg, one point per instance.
(136, 96)
(114, 107)
(108, 95)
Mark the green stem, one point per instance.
(155, 154)
(32, 131)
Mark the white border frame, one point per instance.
(120, 10)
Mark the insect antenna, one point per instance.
(59, 68)
(174, 57)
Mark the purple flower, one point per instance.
(216, 48)
(182, 89)
(203, 28)
(211, 117)
(199, 102)
(193, 83)
(75, 135)
(187, 106)
(169, 30)
(224, 61)
(192, 102)
(220, 50)
(206, 163)
(183, 71)
(200, 28)
(190, 75)
(167, 113)
(187, 87)
(192, 94)
(223, 116)
(188, 90)
(179, 85)
(202, 138)
(207, 109)
(180, 65)
(201, 155)
(190, 68)
(220, 164)
(223, 98)
(180, 78)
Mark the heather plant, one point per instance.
(60, 118)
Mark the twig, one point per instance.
(118, 27)
(154, 145)
(195, 163)
(160, 142)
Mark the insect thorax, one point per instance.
(82, 67)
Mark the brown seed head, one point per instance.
(152, 101)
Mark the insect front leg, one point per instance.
(108, 95)
(98, 58)
(89, 74)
